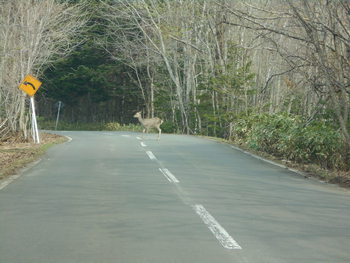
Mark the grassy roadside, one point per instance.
(14, 155)
(340, 178)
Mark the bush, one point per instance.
(87, 126)
(287, 137)
(168, 127)
(318, 143)
(112, 126)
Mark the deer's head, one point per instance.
(137, 114)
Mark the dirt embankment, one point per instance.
(15, 154)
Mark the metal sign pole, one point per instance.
(58, 113)
(34, 122)
(33, 125)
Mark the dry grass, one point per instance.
(15, 154)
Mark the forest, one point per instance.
(272, 75)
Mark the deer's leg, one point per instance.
(159, 132)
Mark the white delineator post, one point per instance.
(34, 122)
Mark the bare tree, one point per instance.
(298, 51)
(165, 33)
(33, 34)
(311, 38)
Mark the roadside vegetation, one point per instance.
(271, 76)
(316, 148)
(85, 126)
(15, 154)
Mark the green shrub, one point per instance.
(270, 132)
(112, 126)
(287, 137)
(168, 127)
(319, 143)
(87, 126)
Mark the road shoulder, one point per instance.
(15, 156)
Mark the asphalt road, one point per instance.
(111, 197)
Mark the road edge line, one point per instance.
(269, 161)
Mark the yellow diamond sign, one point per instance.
(30, 85)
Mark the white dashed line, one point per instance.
(125, 135)
(168, 175)
(151, 155)
(139, 138)
(219, 232)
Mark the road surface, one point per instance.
(113, 197)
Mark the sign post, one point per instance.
(30, 85)
(34, 122)
(58, 113)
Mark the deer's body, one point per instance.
(149, 123)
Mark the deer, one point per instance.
(149, 123)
